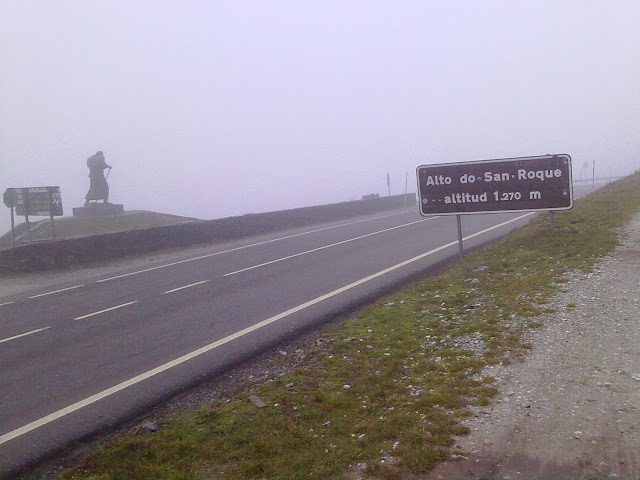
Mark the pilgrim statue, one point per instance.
(98, 186)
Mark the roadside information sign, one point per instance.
(34, 201)
(491, 186)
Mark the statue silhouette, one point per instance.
(98, 186)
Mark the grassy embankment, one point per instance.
(72, 227)
(389, 386)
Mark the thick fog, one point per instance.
(216, 108)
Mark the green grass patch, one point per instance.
(70, 227)
(389, 386)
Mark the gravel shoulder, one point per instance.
(570, 410)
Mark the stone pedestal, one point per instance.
(99, 210)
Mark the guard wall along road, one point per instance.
(489, 186)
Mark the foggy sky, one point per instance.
(216, 108)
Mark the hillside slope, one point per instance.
(74, 227)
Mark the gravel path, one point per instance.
(571, 409)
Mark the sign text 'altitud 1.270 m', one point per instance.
(489, 186)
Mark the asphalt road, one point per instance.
(77, 357)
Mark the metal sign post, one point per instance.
(406, 185)
(26, 204)
(26, 219)
(521, 184)
(13, 229)
(53, 225)
(460, 247)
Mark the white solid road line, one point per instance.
(23, 334)
(247, 246)
(105, 310)
(56, 291)
(6, 303)
(173, 363)
(498, 225)
(186, 286)
(328, 246)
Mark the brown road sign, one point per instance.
(35, 201)
(491, 186)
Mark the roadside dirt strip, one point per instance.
(571, 409)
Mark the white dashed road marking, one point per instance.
(56, 291)
(186, 286)
(23, 334)
(105, 310)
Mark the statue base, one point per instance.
(99, 210)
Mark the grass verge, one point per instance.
(388, 387)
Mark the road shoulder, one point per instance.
(570, 409)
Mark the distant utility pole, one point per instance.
(585, 167)
(593, 175)
(389, 183)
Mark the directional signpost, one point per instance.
(492, 186)
(34, 201)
